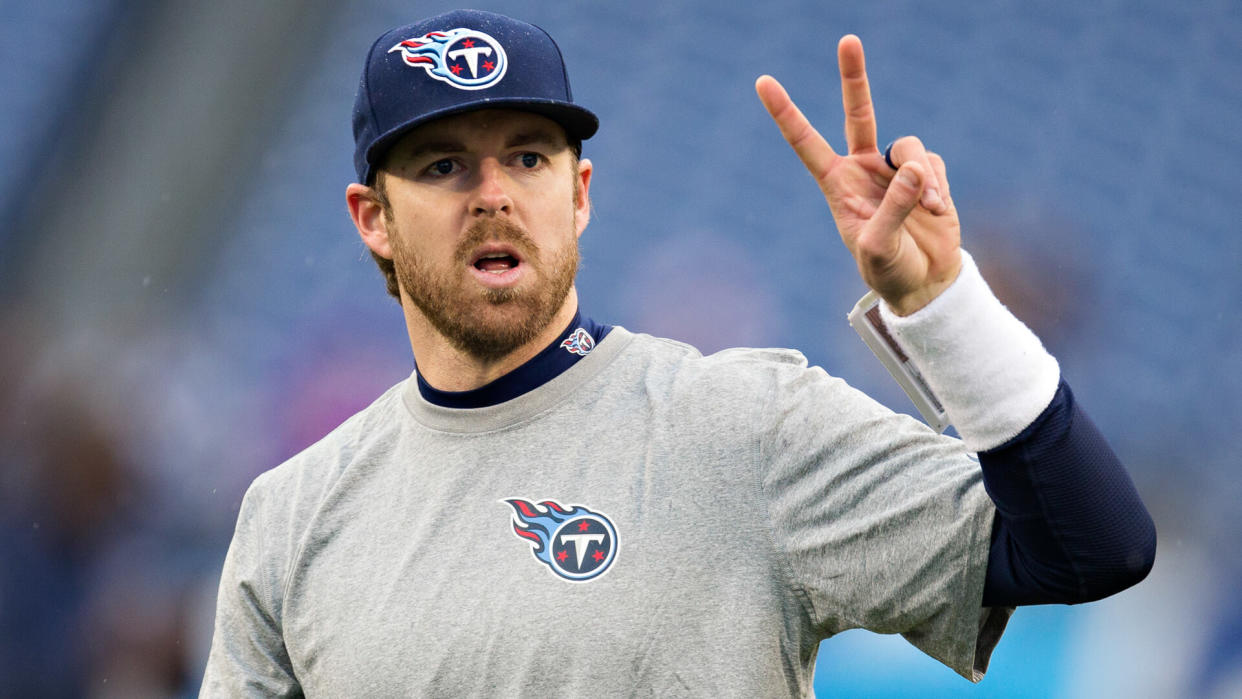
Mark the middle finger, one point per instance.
(856, 96)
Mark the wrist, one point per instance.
(905, 304)
(914, 302)
(990, 372)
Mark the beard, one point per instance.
(488, 324)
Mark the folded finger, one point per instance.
(880, 239)
(942, 177)
(909, 149)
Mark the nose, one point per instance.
(491, 196)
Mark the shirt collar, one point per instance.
(574, 343)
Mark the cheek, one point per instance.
(425, 234)
(560, 211)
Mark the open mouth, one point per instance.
(497, 265)
(496, 262)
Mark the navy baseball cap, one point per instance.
(457, 62)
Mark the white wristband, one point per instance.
(991, 373)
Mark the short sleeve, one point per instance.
(248, 656)
(885, 524)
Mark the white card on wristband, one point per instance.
(867, 322)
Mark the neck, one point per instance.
(448, 368)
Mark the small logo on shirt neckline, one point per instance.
(579, 342)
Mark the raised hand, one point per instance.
(901, 227)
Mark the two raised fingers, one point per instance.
(860, 127)
(860, 131)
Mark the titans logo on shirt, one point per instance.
(575, 543)
(464, 58)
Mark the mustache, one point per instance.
(501, 230)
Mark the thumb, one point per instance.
(880, 237)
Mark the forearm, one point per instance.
(1070, 526)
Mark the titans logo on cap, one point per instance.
(464, 58)
(575, 543)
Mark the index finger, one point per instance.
(812, 149)
(856, 96)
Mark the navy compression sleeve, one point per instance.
(1070, 526)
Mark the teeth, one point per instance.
(508, 262)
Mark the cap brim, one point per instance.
(579, 123)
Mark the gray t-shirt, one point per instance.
(650, 522)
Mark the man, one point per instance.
(553, 505)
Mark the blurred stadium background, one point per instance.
(184, 304)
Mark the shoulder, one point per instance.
(678, 356)
(735, 370)
(299, 484)
(745, 386)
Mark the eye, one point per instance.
(529, 160)
(442, 167)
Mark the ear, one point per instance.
(368, 216)
(582, 203)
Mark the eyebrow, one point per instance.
(538, 137)
(429, 147)
(447, 146)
